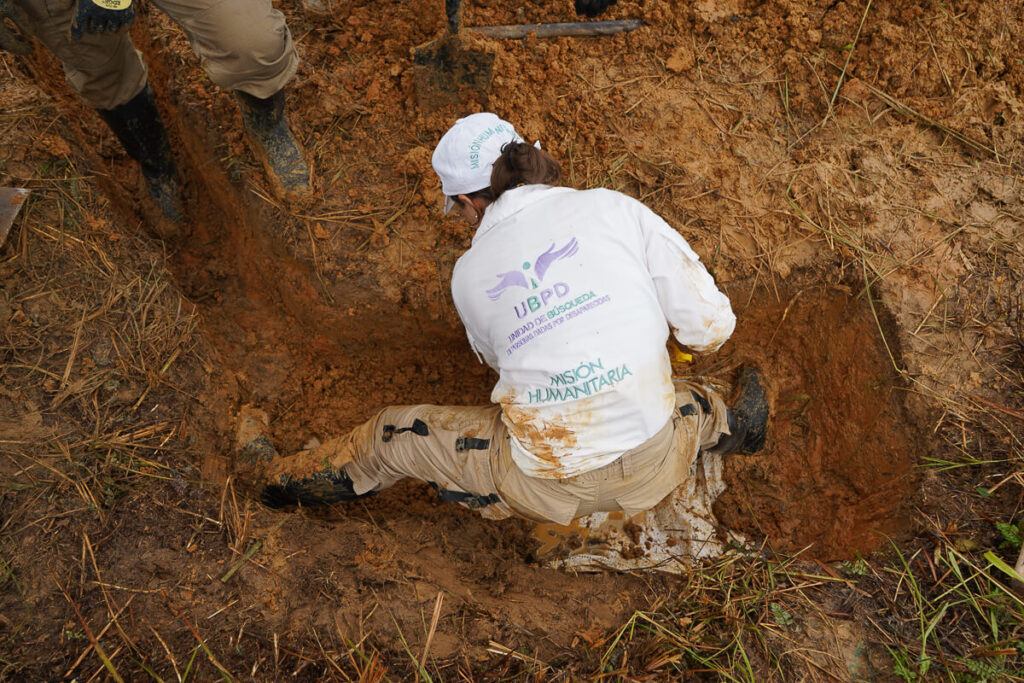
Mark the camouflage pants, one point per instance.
(464, 453)
(241, 44)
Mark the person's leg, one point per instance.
(246, 47)
(104, 69)
(241, 44)
(450, 447)
(108, 73)
(139, 127)
(665, 468)
(641, 478)
(635, 482)
(707, 410)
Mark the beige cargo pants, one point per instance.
(464, 453)
(242, 44)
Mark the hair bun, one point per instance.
(521, 163)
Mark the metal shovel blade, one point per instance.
(11, 199)
(450, 70)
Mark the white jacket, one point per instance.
(569, 295)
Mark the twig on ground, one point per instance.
(1003, 409)
(497, 648)
(250, 552)
(202, 644)
(238, 565)
(849, 56)
(433, 628)
(99, 635)
(956, 135)
(100, 652)
(103, 590)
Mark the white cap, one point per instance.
(464, 156)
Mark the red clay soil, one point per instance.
(354, 316)
(322, 314)
(835, 478)
(838, 471)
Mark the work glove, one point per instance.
(101, 16)
(10, 42)
(592, 8)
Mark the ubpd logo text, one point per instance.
(532, 304)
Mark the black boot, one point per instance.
(748, 417)
(258, 451)
(274, 144)
(137, 124)
(323, 488)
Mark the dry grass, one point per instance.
(97, 347)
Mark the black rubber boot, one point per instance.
(748, 417)
(258, 451)
(273, 142)
(137, 124)
(320, 489)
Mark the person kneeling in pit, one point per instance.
(569, 295)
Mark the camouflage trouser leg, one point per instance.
(452, 448)
(464, 453)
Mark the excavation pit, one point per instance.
(833, 482)
(838, 470)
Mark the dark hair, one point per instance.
(520, 164)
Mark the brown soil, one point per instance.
(125, 366)
(836, 476)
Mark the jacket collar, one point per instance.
(512, 202)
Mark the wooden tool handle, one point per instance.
(572, 28)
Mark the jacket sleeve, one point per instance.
(483, 352)
(700, 315)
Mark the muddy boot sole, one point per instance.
(316, 491)
(253, 450)
(293, 184)
(751, 410)
(165, 213)
(251, 441)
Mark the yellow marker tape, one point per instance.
(114, 4)
(679, 357)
